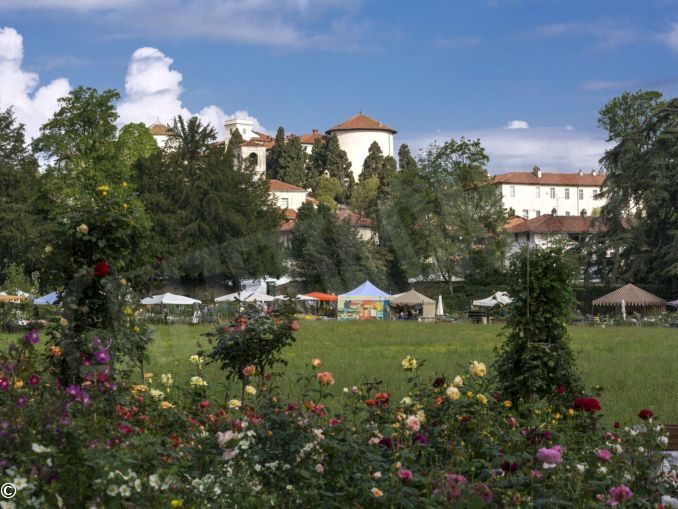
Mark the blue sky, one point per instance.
(430, 69)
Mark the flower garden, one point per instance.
(454, 441)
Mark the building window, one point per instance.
(552, 192)
(512, 191)
(537, 192)
(581, 194)
(595, 193)
(526, 213)
(284, 203)
(537, 213)
(567, 213)
(567, 193)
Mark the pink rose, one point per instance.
(404, 475)
(413, 423)
(603, 454)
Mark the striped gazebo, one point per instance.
(635, 299)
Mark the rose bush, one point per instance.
(453, 441)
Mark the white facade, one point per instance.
(289, 199)
(255, 154)
(356, 144)
(533, 194)
(244, 126)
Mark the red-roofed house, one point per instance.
(531, 194)
(364, 225)
(286, 195)
(308, 140)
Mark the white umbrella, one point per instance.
(623, 309)
(305, 297)
(439, 307)
(170, 298)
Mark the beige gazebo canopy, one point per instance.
(413, 298)
(633, 297)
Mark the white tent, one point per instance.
(439, 307)
(46, 300)
(501, 298)
(169, 298)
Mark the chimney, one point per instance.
(554, 212)
(580, 172)
(594, 172)
(315, 131)
(583, 213)
(537, 171)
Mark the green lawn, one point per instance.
(637, 367)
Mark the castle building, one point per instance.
(531, 194)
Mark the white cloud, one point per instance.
(32, 105)
(559, 149)
(517, 124)
(153, 92)
(671, 37)
(608, 34)
(604, 85)
(286, 23)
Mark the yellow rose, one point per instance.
(196, 381)
(123, 282)
(125, 206)
(469, 394)
(63, 322)
(83, 228)
(316, 363)
(49, 248)
(234, 403)
(482, 399)
(453, 393)
(176, 503)
(508, 404)
(409, 363)
(458, 381)
(136, 329)
(377, 492)
(250, 391)
(478, 369)
(19, 384)
(571, 412)
(166, 404)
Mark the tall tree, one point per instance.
(275, 156)
(626, 113)
(338, 166)
(292, 164)
(135, 142)
(451, 213)
(330, 255)
(234, 142)
(642, 190)
(316, 165)
(405, 160)
(23, 221)
(373, 162)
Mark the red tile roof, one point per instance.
(261, 140)
(290, 214)
(560, 224)
(363, 123)
(310, 139)
(514, 221)
(277, 185)
(553, 179)
(312, 200)
(353, 218)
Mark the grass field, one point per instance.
(637, 367)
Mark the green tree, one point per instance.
(535, 357)
(365, 194)
(329, 254)
(234, 142)
(134, 142)
(292, 164)
(626, 113)
(219, 222)
(23, 222)
(338, 166)
(275, 156)
(642, 193)
(405, 160)
(448, 214)
(327, 190)
(79, 142)
(316, 165)
(373, 162)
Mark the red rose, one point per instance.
(587, 404)
(102, 269)
(560, 389)
(645, 414)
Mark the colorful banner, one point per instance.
(361, 309)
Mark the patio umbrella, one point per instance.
(439, 307)
(623, 309)
(169, 298)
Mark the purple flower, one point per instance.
(439, 382)
(4, 383)
(21, 401)
(419, 438)
(386, 442)
(73, 390)
(619, 494)
(603, 454)
(550, 456)
(102, 356)
(32, 337)
(509, 467)
(482, 490)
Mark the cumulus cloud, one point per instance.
(559, 149)
(32, 105)
(517, 124)
(153, 92)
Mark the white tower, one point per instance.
(243, 125)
